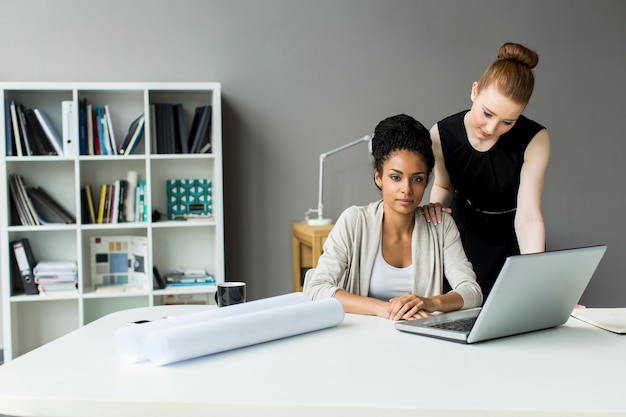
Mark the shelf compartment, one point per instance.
(35, 324)
(124, 107)
(193, 247)
(37, 173)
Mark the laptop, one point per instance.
(532, 292)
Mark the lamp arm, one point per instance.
(347, 145)
(323, 156)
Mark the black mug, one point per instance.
(229, 293)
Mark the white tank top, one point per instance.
(387, 281)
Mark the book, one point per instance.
(186, 277)
(199, 134)
(55, 278)
(134, 141)
(38, 142)
(107, 204)
(22, 199)
(29, 204)
(16, 130)
(121, 216)
(70, 134)
(37, 138)
(18, 203)
(119, 262)
(27, 134)
(140, 204)
(105, 146)
(132, 136)
(611, 319)
(82, 127)
(109, 129)
(165, 131)
(157, 278)
(114, 213)
(46, 267)
(8, 128)
(24, 261)
(91, 212)
(181, 133)
(191, 282)
(47, 208)
(58, 288)
(91, 150)
(103, 196)
(153, 128)
(95, 129)
(132, 178)
(48, 134)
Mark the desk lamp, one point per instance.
(321, 220)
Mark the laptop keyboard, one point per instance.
(461, 325)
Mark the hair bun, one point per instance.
(518, 53)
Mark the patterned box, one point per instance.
(189, 199)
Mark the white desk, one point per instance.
(364, 367)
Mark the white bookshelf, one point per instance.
(29, 321)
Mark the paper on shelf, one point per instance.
(129, 341)
(207, 337)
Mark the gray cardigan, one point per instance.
(351, 247)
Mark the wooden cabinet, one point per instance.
(307, 245)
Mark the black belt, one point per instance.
(490, 212)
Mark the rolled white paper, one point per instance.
(129, 341)
(194, 340)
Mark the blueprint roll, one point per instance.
(194, 340)
(130, 341)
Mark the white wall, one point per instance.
(302, 77)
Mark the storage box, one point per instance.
(189, 199)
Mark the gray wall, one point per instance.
(303, 77)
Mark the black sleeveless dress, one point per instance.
(485, 198)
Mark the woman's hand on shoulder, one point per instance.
(433, 212)
(409, 306)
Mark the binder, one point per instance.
(70, 135)
(25, 262)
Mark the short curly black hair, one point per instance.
(397, 133)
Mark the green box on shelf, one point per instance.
(189, 199)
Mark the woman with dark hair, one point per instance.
(385, 259)
(490, 167)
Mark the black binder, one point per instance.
(24, 263)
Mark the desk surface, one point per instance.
(364, 367)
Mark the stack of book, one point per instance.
(34, 206)
(188, 277)
(56, 277)
(170, 133)
(96, 135)
(121, 201)
(30, 132)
